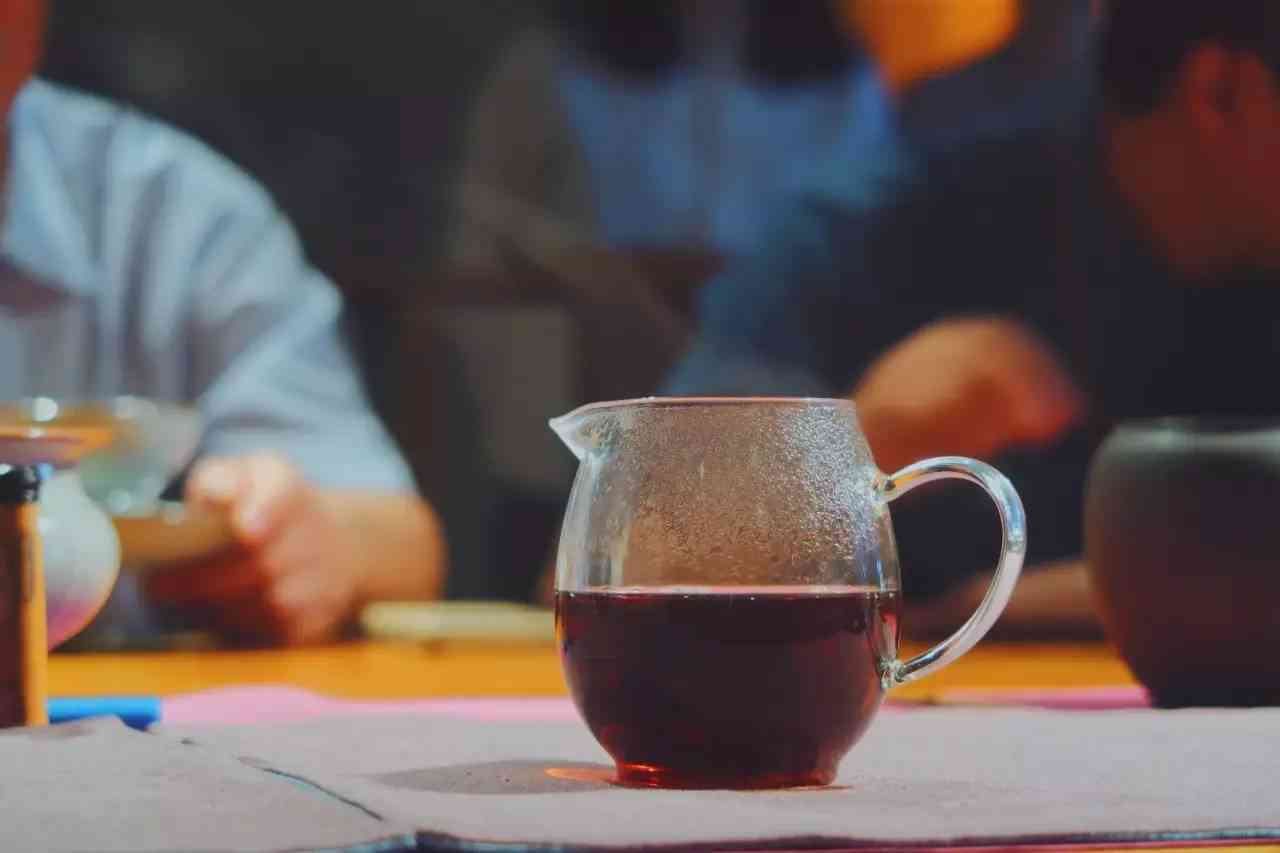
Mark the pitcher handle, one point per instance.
(1013, 551)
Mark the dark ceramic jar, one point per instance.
(1182, 537)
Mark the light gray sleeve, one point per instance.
(270, 367)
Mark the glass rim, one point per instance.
(695, 402)
(1209, 424)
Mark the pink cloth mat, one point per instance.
(241, 705)
(262, 704)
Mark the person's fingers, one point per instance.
(1053, 416)
(290, 611)
(970, 385)
(274, 491)
(260, 491)
(312, 606)
(1033, 397)
(227, 576)
(215, 481)
(240, 570)
(302, 612)
(310, 629)
(1043, 401)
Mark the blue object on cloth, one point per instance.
(136, 712)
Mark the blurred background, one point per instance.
(499, 188)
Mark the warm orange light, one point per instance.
(583, 773)
(913, 39)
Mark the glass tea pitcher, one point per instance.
(727, 593)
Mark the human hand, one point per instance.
(293, 575)
(966, 386)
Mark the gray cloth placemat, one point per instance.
(98, 786)
(919, 778)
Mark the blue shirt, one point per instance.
(134, 260)
(695, 156)
(702, 154)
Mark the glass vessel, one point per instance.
(727, 588)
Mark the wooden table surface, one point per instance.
(402, 670)
(388, 670)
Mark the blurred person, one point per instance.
(622, 153)
(1011, 298)
(625, 150)
(666, 123)
(621, 150)
(135, 260)
(677, 123)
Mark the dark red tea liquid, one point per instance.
(727, 687)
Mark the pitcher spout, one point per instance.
(572, 430)
(586, 426)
